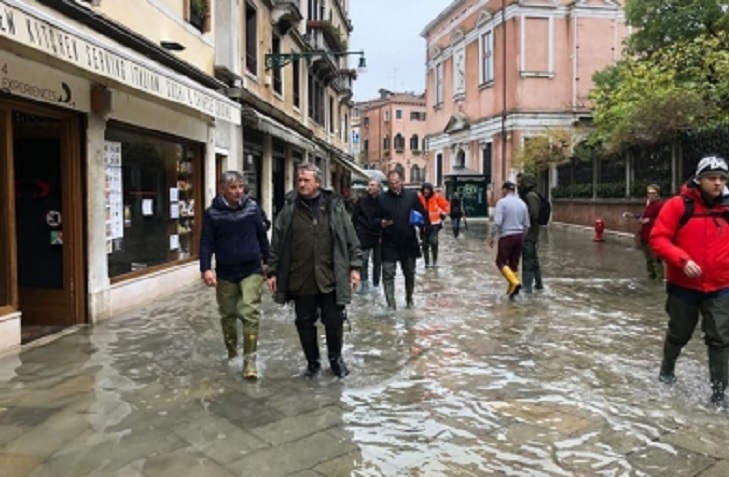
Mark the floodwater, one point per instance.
(563, 382)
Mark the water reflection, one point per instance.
(557, 383)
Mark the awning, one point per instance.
(351, 166)
(263, 123)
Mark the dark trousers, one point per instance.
(376, 253)
(308, 309)
(456, 225)
(683, 316)
(531, 271)
(407, 265)
(509, 251)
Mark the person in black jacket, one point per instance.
(369, 231)
(233, 231)
(399, 240)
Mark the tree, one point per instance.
(661, 23)
(555, 146)
(679, 87)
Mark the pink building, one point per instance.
(491, 85)
(392, 130)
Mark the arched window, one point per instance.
(386, 142)
(460, 159)
(399, 142)
(414, 142)
(415, 174)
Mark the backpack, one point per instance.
(545, 210)
(688, 213)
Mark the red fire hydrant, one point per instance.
(599, 230)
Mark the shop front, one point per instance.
(107, 160)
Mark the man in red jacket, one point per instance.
(691, 236)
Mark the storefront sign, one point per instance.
(20, 77)
(92, 55)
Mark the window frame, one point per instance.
(251, 41)
(486, 47)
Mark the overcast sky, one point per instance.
(389, 33)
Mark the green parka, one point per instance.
(347, 253)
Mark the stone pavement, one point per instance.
(467, 384)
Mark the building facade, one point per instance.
(296, 104)
(115, 123)
(500, 72)
(392, 135)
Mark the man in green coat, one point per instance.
(315, 260)
(531, 272)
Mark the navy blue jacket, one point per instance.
(236, 236)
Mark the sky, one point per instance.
(389, 33)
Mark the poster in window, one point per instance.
(113, 192)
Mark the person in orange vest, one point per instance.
(438, 209)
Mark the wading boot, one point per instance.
(426, 256)
(230, 337)
(335, 337)
(409, 290)
(389, 286)
(527, 278)
(435, 256)
(719, 372)
(514, 285)
(538, 284)
(310, 345)
(250, 349)
(668, 365)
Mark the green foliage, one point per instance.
(577, 191)
(199, 7)
(554, 147)
(661, 23)
(679, 88)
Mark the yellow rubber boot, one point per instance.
(250, 346)
(514, 283)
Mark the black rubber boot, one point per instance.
(668, 365)
(335, 337)
(426, 256)
(310, 345)
(409, 289)
(389, 286)
(435, 256)
(719, 372)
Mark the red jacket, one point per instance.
(651, 213)
(703, 239)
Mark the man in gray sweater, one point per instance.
(511, 222)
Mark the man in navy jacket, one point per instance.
(233, 231)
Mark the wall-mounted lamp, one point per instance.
(279, 60)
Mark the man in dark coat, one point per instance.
(369, 232)
(399, 240)
(233, 231)
(315, 261)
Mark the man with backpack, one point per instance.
(691, 237)
(531, 273)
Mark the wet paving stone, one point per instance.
(466, 384)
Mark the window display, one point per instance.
(151, 185)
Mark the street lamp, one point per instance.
(279, 60)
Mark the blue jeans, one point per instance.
(456, 225)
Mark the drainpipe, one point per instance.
(503, 88)
(575, 50)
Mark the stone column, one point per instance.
(97, 278)
(267, 173)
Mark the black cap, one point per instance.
(508, 185)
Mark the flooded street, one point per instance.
(466, 384)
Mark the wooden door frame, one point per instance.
(7, 208)
(74, 269)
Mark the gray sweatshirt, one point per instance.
(511, 217)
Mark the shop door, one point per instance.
(47, 219)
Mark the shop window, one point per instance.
(4, 225)
(152, 184)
